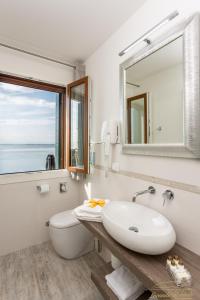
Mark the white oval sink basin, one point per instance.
(138, 227)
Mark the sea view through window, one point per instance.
(29, 128)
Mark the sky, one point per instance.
(27, 116)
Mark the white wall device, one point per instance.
(109, 136)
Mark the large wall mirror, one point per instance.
(160, 95)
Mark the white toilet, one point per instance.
(69, 237)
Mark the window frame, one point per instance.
(74, 169)
(30, 83)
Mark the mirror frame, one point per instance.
(190, 31)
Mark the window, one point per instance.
(78, 126)
(32, 125)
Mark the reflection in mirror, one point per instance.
(77, 117)
(154, 97)
(137, 119)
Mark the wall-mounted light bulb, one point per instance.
(145, 37)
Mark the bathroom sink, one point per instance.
(138, 227)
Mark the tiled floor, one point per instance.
(38, 273)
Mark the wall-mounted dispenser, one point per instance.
(63, 187)
(110, 132)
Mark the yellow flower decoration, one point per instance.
(94, 202)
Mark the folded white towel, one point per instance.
(93, 210)
(134, 296)
(84, 212)
(86, 216)
(124, 284)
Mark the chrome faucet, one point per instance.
(151, 190)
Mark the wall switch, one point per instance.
(115, 166)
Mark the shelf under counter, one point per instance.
(98, 277)
(150, 269)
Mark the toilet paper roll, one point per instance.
(43, 188)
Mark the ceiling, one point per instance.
(69, 30)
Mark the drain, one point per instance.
(134, 228)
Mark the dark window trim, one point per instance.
(62, 113)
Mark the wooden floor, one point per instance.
(38, 273)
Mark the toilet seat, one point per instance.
(63, 220)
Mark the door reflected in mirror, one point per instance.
(137, 119)
(154, 97)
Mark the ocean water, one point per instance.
(23, 158)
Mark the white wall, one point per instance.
(23, 211)
(29, 66)
(103, 68)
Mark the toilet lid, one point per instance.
(64, 219)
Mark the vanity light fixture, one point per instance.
(145, 38)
